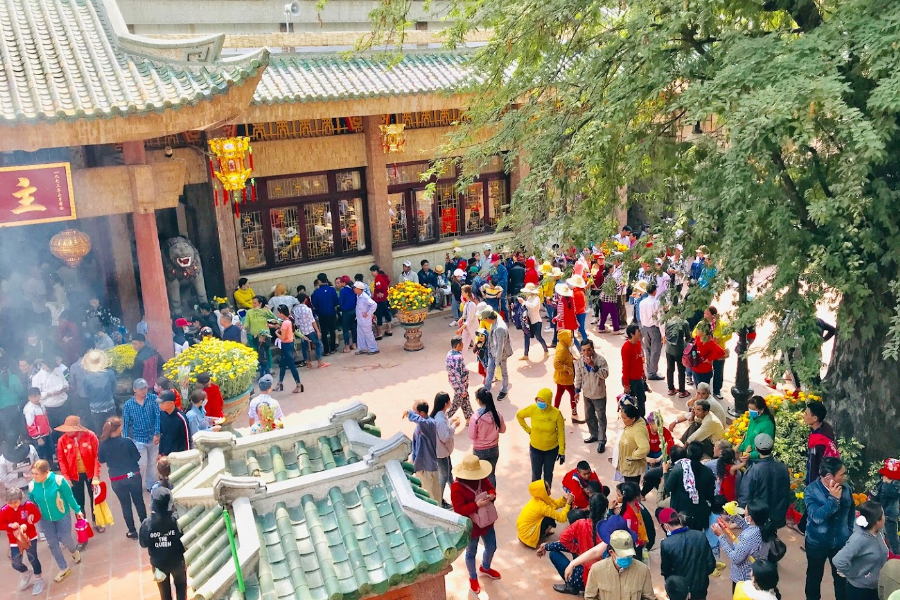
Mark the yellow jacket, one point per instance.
(745, 590)
(634, 445)
(541, 505)
(547, 430)
(548, 284)
(244, 298)
(563, 363)
(719, 333)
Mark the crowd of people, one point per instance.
(713, 499)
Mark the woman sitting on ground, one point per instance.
(540, 514)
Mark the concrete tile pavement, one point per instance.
(115, 568)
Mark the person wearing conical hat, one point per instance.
(565, 310)
(548, 295)
(473, 496)
(98, 382)
(530, 300)
(577, 284)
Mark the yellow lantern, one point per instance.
(70, 245)
(392, 137)
(234, 159)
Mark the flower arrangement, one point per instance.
(219, 301)
(791, 402)
(121, 357)
(232, 366)
(409, 296)
(267, 421)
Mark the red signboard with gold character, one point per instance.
(36, 194)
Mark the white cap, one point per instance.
(359, 285)
(486, 247)
(406, 263)
(459, 273)
(679, 247)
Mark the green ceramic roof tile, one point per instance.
(279, 465)
(63, 61)
(348, 545)
(319, 78)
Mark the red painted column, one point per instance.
(153, 281)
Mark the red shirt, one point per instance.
(579, 537)
(87, 444)
(11, 518)
(728, 485)
(655, 446)
(580, 304)
(215, 405)
(382, 283)
(462, 496)
(572, 483)
(632, 362)
(708, 351)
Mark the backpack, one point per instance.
(691, 357)
(831, 449)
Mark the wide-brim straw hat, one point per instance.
(555, 272)
(640, 288)
(439, 269)
(530, 288)
(72, 424)
(576, 281)
(545, 267)
(95, 361)
(563, 290)
(472, 468)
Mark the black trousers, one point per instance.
(328, 324)
(673, 362)
(542, 462)
(98, 419)
(177, 575)
(815, 570)
(130, 491)
(639, 393)
(78, 491)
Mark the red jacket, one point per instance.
(708, 351)
(573, 484)
(580, 303)
(382, 283)
(531, 274)
(87, 444)
(655, 446)
(27, 514)
(578, 538)
(632, 362)
(565, 314)
(462, 496)
(215, 404)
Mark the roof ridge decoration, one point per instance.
(346, 530)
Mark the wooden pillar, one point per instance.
(376, 188)
(123, 263)
(227, 245)
(153, 281)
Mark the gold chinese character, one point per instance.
(26, 198)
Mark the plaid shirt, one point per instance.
(303, 315)
(141, 423)
(457, 372)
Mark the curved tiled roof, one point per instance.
(320, 78)
(62, 60)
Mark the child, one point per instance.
(887, 492)
(15, 464)
(654, 424)
(719, 511)
(163, 471)
(18, 519)
(38, 424)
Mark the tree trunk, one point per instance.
(862, 393)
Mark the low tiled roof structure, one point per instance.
(326, 511)
(74, 59)
(326, 77)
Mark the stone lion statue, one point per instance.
(184, 272)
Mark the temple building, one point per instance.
(107, 134)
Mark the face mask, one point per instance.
(624, 562)
(754, 414)
(203, 404)
(542, 405)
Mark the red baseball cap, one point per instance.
(666, 514)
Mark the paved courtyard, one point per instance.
(115, 568)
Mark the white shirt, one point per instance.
(53, 388)
(409, 276)
(649, 311)
(31, 411)
(265, 399)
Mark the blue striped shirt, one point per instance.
(141, 423)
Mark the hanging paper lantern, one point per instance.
(70, 246)
(231, 166)
(392, 137)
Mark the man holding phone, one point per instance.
(830, 512)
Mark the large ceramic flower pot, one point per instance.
(411, 321)
(236, 406)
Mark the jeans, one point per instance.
(581, 320)
(815, 570)
(178, 576)
(542, 462)
(890, 534)
(702, 378)
(78, 491)
(551, 314)
(652, 340)
(265, 357)
(489, 375)
(610, 309)
(17, 560)
(129, 492)
(454, 306)
(672, 363)
(492, 455)
(348, 327)
(304, 346)
(287, 363)
(595, 415)
(490, 546)
(59, 532)
(855, 593)
(534, 329)
(718, 376)
(561, 561)
(327, 325)
(444, 476)
(147, 464)
(639, 393)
